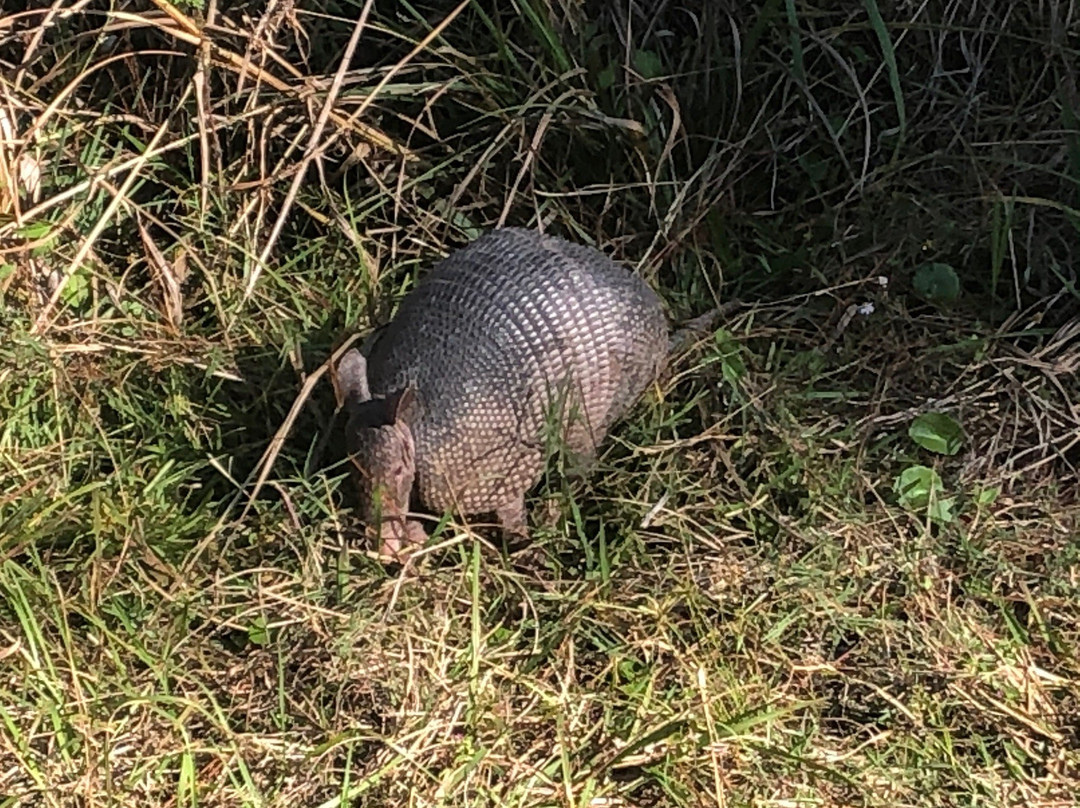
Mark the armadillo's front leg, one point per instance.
(511, 517)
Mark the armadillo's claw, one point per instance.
(511, 518)
(400, 538)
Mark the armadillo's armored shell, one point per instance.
(503, 339)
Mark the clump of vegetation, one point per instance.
(833, 560)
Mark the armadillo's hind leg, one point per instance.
(580, 452)
(511, 517)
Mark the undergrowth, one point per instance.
(831, 560)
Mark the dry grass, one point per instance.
(198, 205)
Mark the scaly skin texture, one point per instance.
(508, 347)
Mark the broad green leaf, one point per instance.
(77, 289)
(937, 432)
(648, 64)
(606, 77)
(938, 283)
(916, 485)
(258, 632)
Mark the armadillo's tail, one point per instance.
(697, 327)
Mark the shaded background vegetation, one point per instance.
(740, 607)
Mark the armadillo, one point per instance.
(513, 340)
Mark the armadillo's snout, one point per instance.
(387, 520)
(383, 459)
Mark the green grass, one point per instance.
(736, 608)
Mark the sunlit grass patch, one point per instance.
(830, 558)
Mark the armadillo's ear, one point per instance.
(350, 378)
(402, 405)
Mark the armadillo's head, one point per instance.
(380, 444)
